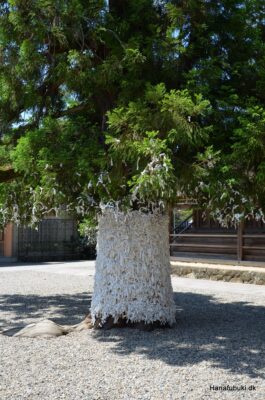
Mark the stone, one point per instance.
(49, 329)
(45, 329)
(219, 277)
(236, 279)
(260, 281)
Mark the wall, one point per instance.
(8, 240)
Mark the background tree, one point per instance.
(223, 58)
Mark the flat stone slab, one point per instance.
(219, 272)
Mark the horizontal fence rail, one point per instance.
(238, 246)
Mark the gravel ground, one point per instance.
(218, 340)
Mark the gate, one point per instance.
(53, 240)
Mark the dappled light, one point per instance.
(229, 335)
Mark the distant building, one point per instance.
(194, 235)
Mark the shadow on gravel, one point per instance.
(228, 335)
(62, 309)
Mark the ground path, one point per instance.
(218, 340)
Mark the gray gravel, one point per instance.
(218, 340)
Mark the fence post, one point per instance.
(240, 230)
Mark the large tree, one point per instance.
(105, 111)
(224, 60)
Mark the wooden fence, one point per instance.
(54, 239)
(235, 246)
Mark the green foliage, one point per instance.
(88, 231)
(114, 105)
(150, 139)
(232, 184)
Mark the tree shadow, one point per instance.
(24, 309)
(228, 335)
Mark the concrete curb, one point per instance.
(239, 274)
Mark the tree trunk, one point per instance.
(132, 281)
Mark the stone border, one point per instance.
(224, 273)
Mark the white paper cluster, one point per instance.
(133, 268)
